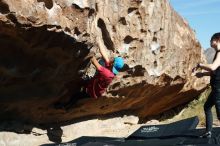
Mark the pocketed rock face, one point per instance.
(44, 45)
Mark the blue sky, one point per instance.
(203, 17)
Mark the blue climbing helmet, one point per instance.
(117, 65)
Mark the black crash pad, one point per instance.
(165, 130)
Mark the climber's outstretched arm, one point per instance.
(102, 50)
(95, 63)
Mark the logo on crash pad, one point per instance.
(149, 129)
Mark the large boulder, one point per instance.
(45, 43)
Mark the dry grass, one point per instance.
(195, 108)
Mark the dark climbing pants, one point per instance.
(213, 99)
(80, 93)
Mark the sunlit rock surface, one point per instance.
(44, 45)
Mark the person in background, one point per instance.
(212, 70)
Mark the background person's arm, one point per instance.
(202, 74)
(213, 66)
